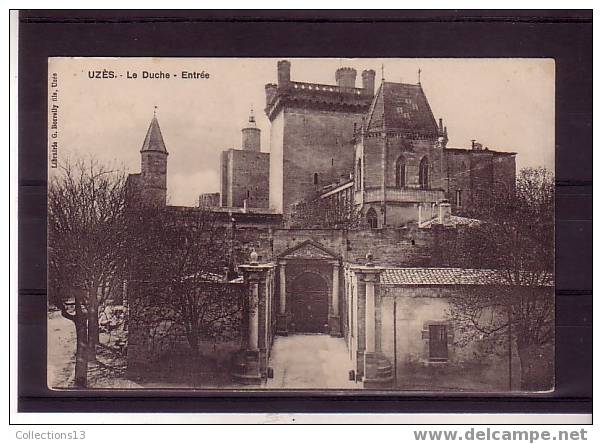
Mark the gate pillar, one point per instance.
(251, 362)
(282, 324)
(375, 368)
(334, 322)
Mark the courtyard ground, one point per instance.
(310, 362)
(107, 372)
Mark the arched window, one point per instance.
(358, 175)
(400, 172)
(423, 173)
(372, 218)
(315, 178)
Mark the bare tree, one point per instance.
(330, 212)
(178, 270)
(516, 239)
(86, 229)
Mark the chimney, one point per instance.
(444, 212)
(368, 81)
(270, 93)
(345, 77)
(284, 73)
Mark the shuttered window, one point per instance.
(438, 343)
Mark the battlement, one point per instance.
(342, 96)
(335, 97)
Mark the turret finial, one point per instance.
(155, 111)
(419, 71)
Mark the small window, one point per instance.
(248, 194)
(423, 173)
(400, 172)
(315, 178)
(399, 109)
(372, 218)
(458, 198)
(438, 343)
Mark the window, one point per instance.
(458, 198)
(423, 174)
(399, 109)
(400, 172)
(437, 342)
(248, 194)
(372, 218)
(315, 178)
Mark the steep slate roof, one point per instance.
(401, 107)
(444, 276)
(154, 139)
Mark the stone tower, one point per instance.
(153, 177)
(251, 135)
(311, 133)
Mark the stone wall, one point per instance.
(409, 247)
(246, 178)
(480, 175)
(314, 142)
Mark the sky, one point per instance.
(506, 104)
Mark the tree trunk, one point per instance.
(93, 331)
(193, 341)
(536, 367)
(81, 350)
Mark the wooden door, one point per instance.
(309, 298)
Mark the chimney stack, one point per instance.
(270, 93)
(368, 77)
(284, 73)
(345, 77)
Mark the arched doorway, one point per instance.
(309, 303)
(372, 218)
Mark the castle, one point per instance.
(382, 151)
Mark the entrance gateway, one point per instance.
(308, 296)
(299, 293)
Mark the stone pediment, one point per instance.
(308, 250)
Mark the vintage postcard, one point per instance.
(301, 224)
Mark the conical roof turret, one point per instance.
(154, 139)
